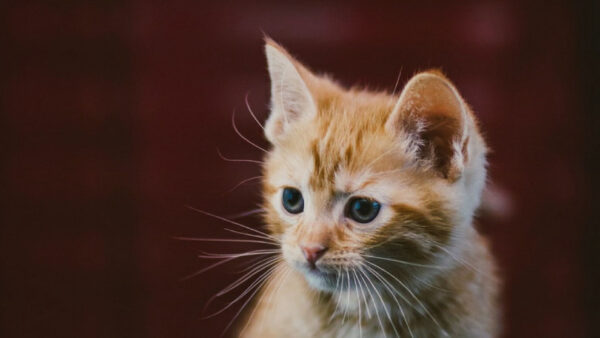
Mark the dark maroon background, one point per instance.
(112, 113)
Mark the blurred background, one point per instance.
(112, 113)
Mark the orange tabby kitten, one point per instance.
(371, 197)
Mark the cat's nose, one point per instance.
(312, 252)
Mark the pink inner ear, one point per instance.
(438, 136)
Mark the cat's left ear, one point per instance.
(435, 120)
(291, 99)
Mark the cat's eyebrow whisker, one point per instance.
(230, 221)
(244, 137)
(252, 113)
(404, 262)
(246, 213)
(391, 289)
(237, 159)
(198, 239)
(409, 292)
(244, 181)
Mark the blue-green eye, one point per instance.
(362, 210)
(292, 200)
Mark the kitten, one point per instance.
(371, 198)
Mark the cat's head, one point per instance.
(359, 180)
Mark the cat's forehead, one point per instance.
(339, 151)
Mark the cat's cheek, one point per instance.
(291, 254)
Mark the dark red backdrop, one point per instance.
(112, 113)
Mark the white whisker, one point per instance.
(347, 295)
(375, 307)
(255, 269)
(246, 213)
(244, 137)
(250, 235)
(274, 290)
(207, 268)
(252, 113)
(229, 221)
(237, 159)
(359, 305)
(228, 240)
(242, 307)
(245, 181)
(404, 262)
(383, 304)
(409, 292)
(397, 82)
(461, 261)
(393, 290)
(237, 255)
(338, 281)
(363, 293)
(255, 285)
(248, 275)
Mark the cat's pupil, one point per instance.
(292, 200)
(362, 210)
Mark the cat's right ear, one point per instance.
(291, 99)
(436, 120)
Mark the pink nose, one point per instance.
(312, 252)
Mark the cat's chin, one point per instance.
(320, 280)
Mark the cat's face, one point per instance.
(358, 181)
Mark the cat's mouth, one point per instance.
(321, 279)
(319, 272)
(324, 278)
(316, 270)
(320, 276)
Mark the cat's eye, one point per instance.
(292, 200)
(362, 210)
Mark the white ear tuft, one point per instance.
(290, 96)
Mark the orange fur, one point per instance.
(419, 268)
